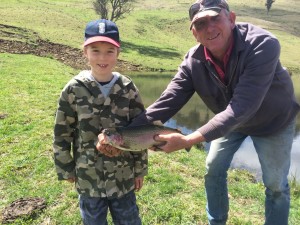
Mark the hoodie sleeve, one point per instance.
(64, 132)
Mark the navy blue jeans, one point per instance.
(274, 153)
(124, 210)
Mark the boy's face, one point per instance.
(102, 57)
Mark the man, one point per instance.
(236, 71)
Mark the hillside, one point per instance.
(155, 36)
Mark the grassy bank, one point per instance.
(155, 35)
(173, 191)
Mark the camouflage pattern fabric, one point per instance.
(82, 113)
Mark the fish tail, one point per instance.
(188, 149)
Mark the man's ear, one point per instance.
(232, 19)
(195, 33)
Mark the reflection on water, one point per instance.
(246, 158)
(195, 113)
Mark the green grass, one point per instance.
(29, 94)
(155, 35)
(174, 189)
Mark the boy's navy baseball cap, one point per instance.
(101, 30)
(203, 8)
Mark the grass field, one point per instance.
(155, 35)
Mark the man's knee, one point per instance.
(277, 191)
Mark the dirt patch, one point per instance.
(70, 56)
(23, 207)
(25, 44)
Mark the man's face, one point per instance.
(214, 32)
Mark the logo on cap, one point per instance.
(101, 28)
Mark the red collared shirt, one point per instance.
(219, 70)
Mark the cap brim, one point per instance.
(101, 39)
(199, 15)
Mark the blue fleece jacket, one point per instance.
(258, 98)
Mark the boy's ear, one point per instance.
(85, 51)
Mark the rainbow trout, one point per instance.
(136, 138)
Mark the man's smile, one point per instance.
(212, 38)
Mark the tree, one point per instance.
(269, 4)
(117, 8)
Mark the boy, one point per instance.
(91, 101)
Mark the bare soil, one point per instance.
(23, 207)
(23, 44)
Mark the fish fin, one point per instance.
(188, 149)
(159, 144)
(157, 148)
(128, 149)
(179, 130)
(121, 148)
(157, 122)
(124, 147)
(163, 143)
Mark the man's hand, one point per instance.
(106, 149)
(176, 141)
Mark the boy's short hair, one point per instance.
(101, 30)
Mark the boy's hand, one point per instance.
(139, 181)
(106, 149)
(71, 180)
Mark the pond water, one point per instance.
(195, 113)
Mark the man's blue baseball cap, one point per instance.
(101, 30)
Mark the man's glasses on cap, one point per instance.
(204, 4)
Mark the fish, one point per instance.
(136, 138)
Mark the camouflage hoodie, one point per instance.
(82, 112)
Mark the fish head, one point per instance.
(112, 137)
